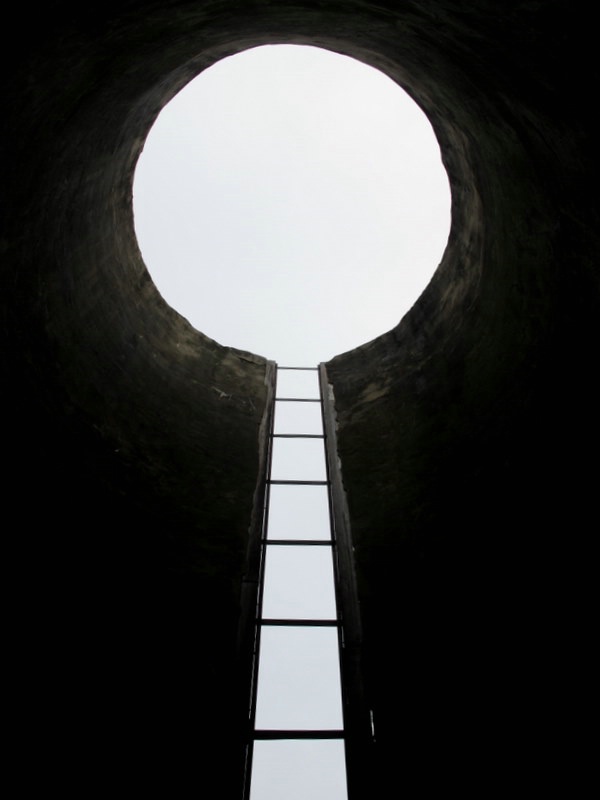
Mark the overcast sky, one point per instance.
(291, 202)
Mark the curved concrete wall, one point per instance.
(459, 432)
(133, 442)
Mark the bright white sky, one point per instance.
(291, 202)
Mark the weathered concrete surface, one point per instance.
(463, 432)
(132, 441)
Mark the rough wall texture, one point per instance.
(132, 442)
(461, 432)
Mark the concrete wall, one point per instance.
(133, 443)
(463, 432)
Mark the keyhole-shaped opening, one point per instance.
(292, 202)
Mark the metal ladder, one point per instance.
(283, 496)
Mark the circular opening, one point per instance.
(292, 202)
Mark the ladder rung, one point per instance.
(300, 623)
(297, 436)
(298, 399)
(299, 483)
(303, 734)
(311, 542)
